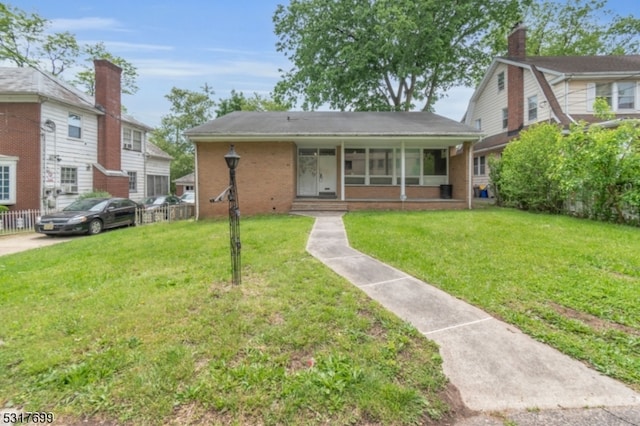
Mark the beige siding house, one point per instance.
(519, 90)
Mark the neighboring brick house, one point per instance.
(519, 90)
(335, 160)
(57, 142)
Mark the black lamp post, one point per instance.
(232, 159)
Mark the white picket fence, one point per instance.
(17, 221)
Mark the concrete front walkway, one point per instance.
(494, 365)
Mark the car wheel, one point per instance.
(95, 227)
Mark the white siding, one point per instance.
(134, 161)
(490, 104)
(59, 151)
(531, 88)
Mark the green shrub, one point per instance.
(527, 171)
(4, 209)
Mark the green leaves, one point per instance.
(382, 55)
(592, 171)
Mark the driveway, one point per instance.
(16, 243)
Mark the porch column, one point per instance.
(403, 194)
(341, 170)
(468, 149)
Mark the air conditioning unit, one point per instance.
(69, 189)
(128, 146)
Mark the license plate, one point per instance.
(48, 226)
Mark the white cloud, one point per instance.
(122, 46)
(173, 69)
(89, 23)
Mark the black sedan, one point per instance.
(89, 216)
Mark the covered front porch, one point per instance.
(382, 173)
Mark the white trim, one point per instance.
(342, 185)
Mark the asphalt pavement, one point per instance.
(501, 373)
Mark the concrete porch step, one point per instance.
(319, 206)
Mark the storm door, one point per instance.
(317, 172)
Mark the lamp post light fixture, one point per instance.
(232, 159)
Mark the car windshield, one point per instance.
(188, 196)
(154, 200)
(87, 204)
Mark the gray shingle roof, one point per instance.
(155, 151)
(332, 124)
(584, 64)
(19, 81)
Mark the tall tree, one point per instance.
(384, 54)
(87, 78)
(573, 28)
(239, 102)
(188, 109)
(25, 43)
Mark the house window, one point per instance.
(75, 125)
(132, 139)
(501, 81)
(8, 180)
(479, 124)
(532, 103)
(435, 162)
(626, 95)
(355, 163)
(157, 185)
(505, 118)
(479, 166)
(380, 166)
(69, 180)
(411, 166)
(133, 181)
(603, 90)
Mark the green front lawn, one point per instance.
(141, 326)
(571, 283)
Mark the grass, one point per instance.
(571, 283)
(141, 326)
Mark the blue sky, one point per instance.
(226, 44)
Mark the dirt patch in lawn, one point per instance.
(593, 321)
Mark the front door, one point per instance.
(316, 172)
(327, 172)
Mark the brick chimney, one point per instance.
(518, 42)
(107, 175)
(108, 99)
(515, 79)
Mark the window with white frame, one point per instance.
(532, 103)
(479, 166)
(133, 181)
(501, 81)
(626, 95)
(620, 95)
(69, 180)
(382, 166)
(74, 123)
(8, 180)
(479, 124)
(505, 118)
(157, 185)
(132, 139)
(604, 91)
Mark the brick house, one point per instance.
(335, 160)
(519, 90)
(57, 142)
